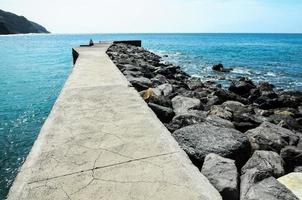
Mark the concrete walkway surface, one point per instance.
(101, 141)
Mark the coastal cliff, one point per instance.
(14, 24)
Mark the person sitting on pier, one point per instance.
(91, 42)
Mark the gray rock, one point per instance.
(165, 89)
(261, 165)
(265, 161)
(140, 83)
(298, 169)
(165, 114)
(269, 189)
(182, 105)
(194, 83)
(222, 174)
(217, 121)
(201, 139)
(271, 137)
(292, 157)
(219, 111)
(234, 106)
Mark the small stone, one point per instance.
(165, 114)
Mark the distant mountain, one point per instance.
(14, 24)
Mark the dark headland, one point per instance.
(243, 139)
(13, 24)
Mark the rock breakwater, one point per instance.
(250, 126)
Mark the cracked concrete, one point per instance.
(101, 141)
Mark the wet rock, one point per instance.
(271, 137)
(268, 189)
(242, 87)
(219, 111)
(225, 95)
(293, 182)
(165, 114)
(217, 67)
(182, 105)
(292, 157)
(222, 174)
(201, 139)
(220, 68)
(265, 161)
(194, 83)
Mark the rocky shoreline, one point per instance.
(242, 138)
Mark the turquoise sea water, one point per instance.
(33, 69)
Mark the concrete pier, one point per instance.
(101, 141)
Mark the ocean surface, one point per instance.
(33, 69)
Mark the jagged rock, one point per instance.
(242, 87)
(201, 139)
(217, 67)
(292, 157)
(158, 80)
(165, 114)
(220, 68)
(182, 105)
(234, 106)
(271, 137)
(265, 161)
(165, 89)
(268, 189)
(222, 174)
(217, 121)
(219, 111)
(140, 83)
(298, 169)
(293, 182)
(194, 83)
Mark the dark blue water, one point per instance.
(33, 69)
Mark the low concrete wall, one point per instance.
(137, 43)
(101, 141)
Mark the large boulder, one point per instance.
(268, 189)
(271, 137)
(222, 174)
(187, 119)
(165, 114)
(165, 89)
(201, 139)
(292, 157)
(293, 182)
(265, 161)
(261, 165)
(182, 105)
(194, 83)
(221, 112)
(217, 121)
(140, 83)
(242, 87)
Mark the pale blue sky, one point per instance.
(111, 16)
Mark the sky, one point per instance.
(161, 16)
